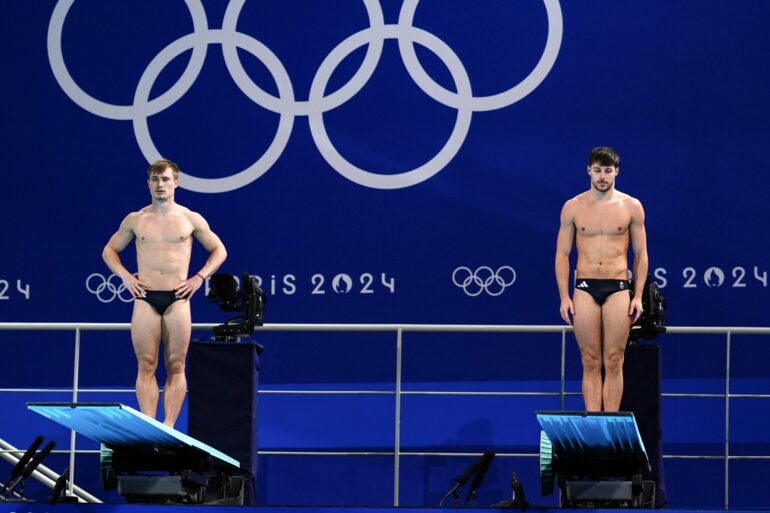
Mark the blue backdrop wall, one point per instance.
(364, 159)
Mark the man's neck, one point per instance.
(607, 195)
(162, 207)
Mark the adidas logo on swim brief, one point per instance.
(582, 285)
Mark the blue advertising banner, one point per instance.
(384, 161)
(395, 162)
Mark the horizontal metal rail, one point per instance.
(399, 329)
(380, 392)
(435, 328)
(421, 454)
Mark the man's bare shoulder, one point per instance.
(574, 203)
(197, 220)
(576, 200)
(570, 210)
(629, 201)
(133, 217)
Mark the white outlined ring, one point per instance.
(122, 112)
(285, 123)
(407, 178)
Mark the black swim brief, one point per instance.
(601, 289)
(160, 300)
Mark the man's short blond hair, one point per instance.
(159, 166)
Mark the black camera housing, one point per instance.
(230, 297)
(653, 318)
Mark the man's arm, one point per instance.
(217, 255)
(115, 245)
(641, 264)
(564, 243)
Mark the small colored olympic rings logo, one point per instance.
(484, 279)
(108, 289)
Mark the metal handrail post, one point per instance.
(397, 442)
(727, 425)
(563, 365)
(75, 384)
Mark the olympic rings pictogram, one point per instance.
(484, 279)
(106, 291)
(319, 101)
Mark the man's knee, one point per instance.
(591, 363)
(147, 364)
(613, 362)
(175, 365)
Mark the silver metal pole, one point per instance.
(563, 364)
(727, 425)
(440, 328)
(75, 382)
(397, 443)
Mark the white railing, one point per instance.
(399, 330)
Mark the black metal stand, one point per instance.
(151, 475)
(222, 408)
(584, 493)
(641, 396)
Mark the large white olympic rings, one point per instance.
(319, 100)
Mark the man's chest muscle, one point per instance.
(606, 220)
(151, 229)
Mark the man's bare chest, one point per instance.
(153, 229)
(603, 220)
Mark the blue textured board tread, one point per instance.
(587, 434)
(117, 425)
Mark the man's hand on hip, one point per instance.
(137, 287)
(186, 288)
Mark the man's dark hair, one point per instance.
(159, 166)
(605, 156)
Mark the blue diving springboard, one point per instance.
(595, 442)
(120, 427)
(597, 458)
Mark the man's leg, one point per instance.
(145, 335)
(616, 323)
(177, 328)
(587, 324)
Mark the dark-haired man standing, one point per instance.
(603, 222)
(163, 232)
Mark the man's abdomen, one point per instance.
(163, 268)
